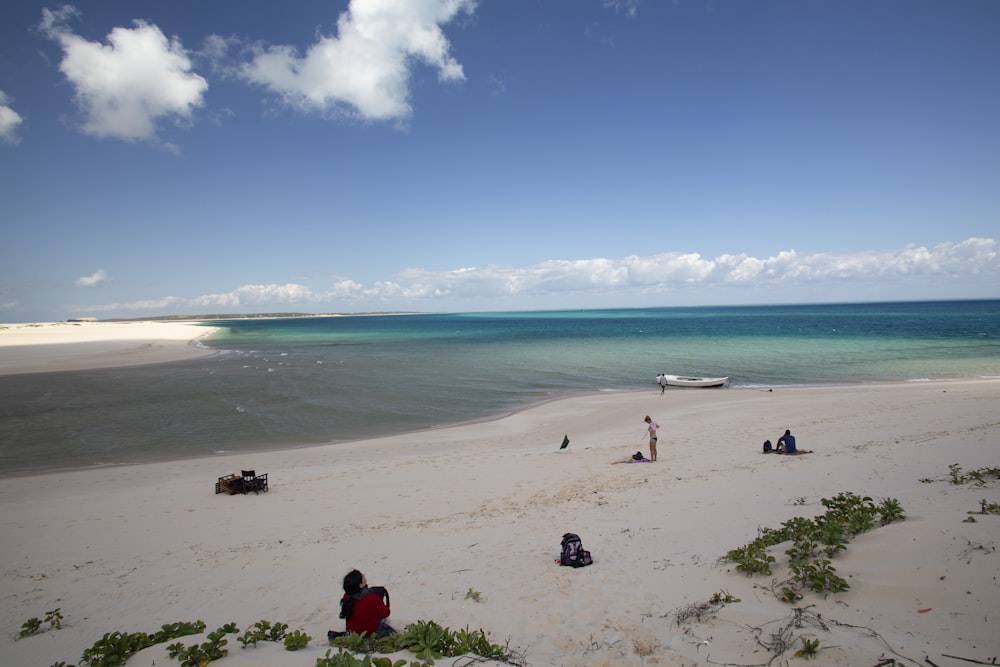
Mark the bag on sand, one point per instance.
(638, 456)
(573, 554)
(767, 446)
(347, 603)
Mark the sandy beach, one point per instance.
(72, 346)
(482, 507)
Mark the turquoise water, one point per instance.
(301, 381)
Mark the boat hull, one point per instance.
(682, 381)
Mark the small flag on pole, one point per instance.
(565, 443)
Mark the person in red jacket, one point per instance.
(363, 608)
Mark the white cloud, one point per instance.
(620, 279)
(9, 121)
(125, 87)
(629, 8)
(96, 279)
(366, 66)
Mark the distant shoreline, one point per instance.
(257, 316)
(72, 346)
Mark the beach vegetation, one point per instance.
(809, 648)
(296, 640)
(819, 576)
(987, 507)
(814, 542)
(752, 559)
(979, 476)
(114, 648)
(34, 625)
(890, 510)
(263, 631)
(723, 597)
(789, 595)
(474, 595)
(346, 659)
(428, 641)
(201, 654)
(30, 627)
(702, 610)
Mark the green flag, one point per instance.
(565, 442)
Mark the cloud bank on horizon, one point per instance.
(598, 282)
(437, 155)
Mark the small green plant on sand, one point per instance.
(33, 625)
(987, 507)
(296, 640)
(723, 597)
(201, 654)
(979, 476)
(263, 631)
(30, 627)
(474, 595)
(809, 648)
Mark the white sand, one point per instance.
(434, 514)
(67, 346)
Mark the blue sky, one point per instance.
(455, 155)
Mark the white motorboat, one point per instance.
(683, 381)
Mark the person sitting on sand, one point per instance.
(363, 608)
(786, 444)
(653, 426)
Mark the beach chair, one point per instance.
(254, 482)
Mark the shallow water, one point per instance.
(301, 381)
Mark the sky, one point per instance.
(239, 156)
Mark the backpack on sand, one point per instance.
(767, 446)
(573, 554)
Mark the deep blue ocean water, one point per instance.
(278, 383)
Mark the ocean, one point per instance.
(294, 382)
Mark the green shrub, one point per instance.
(33, 625)
(201, 654)
(426, 639)
(263, 631)
(296, 640)
(815, 541)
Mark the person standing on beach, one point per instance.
(661, 379)
(653, 426)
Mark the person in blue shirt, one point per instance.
(786, 443)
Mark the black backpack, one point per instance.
(573, 554)
(767, 446)
(347, 603)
